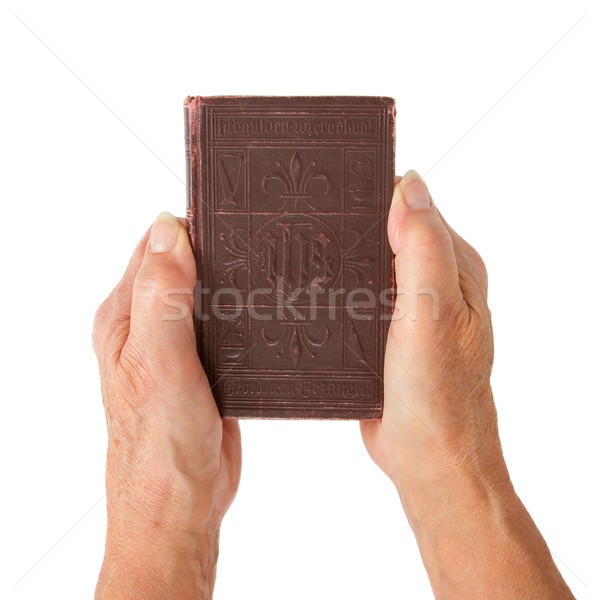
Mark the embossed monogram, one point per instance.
(294, 254)
(295, 184)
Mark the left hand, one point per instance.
(173, 465)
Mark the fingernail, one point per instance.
(397, 195)
(414, 191)
(163, 235)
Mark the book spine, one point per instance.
(194, 212)
(191, 159)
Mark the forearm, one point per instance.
(477, 540)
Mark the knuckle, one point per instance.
(479, 264)
(134, 368)
(155, 283)
(432, 242)
(422, 236)
(476, 261)
(109, 328)
(99, 327)
(151, 369)
(472, 271)
(416, 232)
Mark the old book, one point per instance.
(287, 208)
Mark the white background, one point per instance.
(496, 106)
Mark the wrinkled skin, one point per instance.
(173, 464)
(439, 352)
(438, 439)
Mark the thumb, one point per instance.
(163, 292)
(425, 265)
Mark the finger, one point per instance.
(162, 293)
(111, 322)
(471, 269)
(427, 276)
(123, 290)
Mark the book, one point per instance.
(287, 215)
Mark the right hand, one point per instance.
(438, 438)
(438, 399)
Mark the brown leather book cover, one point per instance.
(287, 209)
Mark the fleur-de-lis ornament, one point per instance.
(298, 184)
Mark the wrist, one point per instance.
(160, 495)
(451, 449)
(444, 486)
(158, 562)
(162, 538)
(474, 534)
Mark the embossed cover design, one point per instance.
(287, 211)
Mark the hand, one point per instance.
(439, 353)
(173, 465)
(438, 438)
